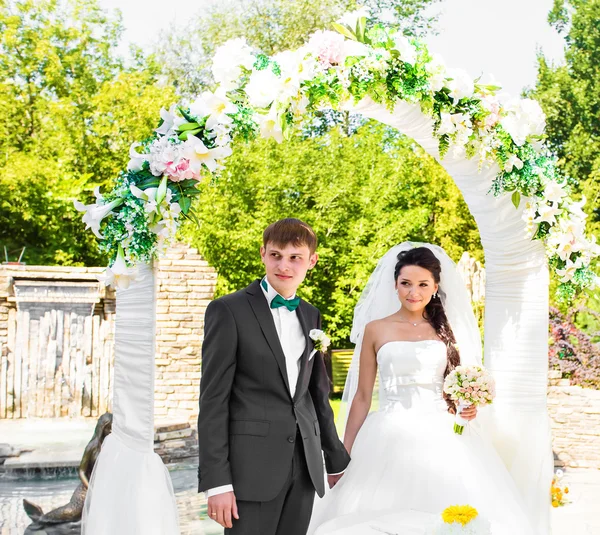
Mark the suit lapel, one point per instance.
(307, 349)
(263, 314)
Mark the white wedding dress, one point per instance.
(408, 465)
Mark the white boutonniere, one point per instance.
(320, 339)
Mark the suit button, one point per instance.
(291, 440)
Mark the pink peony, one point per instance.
(327, 47)
(179, 171)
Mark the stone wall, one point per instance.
(78, 368)
(575, 420)
(186, 286)
(56, 342)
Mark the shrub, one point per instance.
(572, 351)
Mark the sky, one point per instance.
(498, 38)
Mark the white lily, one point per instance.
(270, 125)
(408, 53)
(436, 68)
(513, 161)
(199, 154)
(98, 195)
(461, 84)
(214, 105)
(291, 73)
(147, 195)
(566, 275)
(565, 244)
(351, 18)
(119, 275)
(576, 208)
(547, 213)
(170, 120)
(136, 160)
(555, 191)
(95, 213)
(447, 125)
(572, 225)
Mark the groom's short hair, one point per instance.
(290, 231)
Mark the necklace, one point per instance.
(413, 323)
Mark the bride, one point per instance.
(415, 323)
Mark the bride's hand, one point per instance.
(469, 413)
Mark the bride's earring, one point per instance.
(435, 295)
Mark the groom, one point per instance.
(264, 408)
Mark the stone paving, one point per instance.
(52, 443)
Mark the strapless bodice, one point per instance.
(411, 374)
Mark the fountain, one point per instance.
(66, 519)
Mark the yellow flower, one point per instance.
(566, 491)
(554, 503)
(461, 514)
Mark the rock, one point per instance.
(68, 528)
(6, 451)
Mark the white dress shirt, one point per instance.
(293, 342)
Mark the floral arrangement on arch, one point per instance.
(257, 95)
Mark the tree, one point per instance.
(71, 111)
(362, 194)
(271, 26)
(569, 96)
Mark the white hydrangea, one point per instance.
(523, 118)
(461, 85)
(228, 60)
(263, 88)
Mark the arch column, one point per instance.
(516, 314)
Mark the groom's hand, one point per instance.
(332, 480)
(222, 508)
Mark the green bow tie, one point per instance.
(279, 301)
(290, 304)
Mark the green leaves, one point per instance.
(516, 199)
(356, 34)
(361, 25)
(345, 30)
(185, 203)
(188, 126)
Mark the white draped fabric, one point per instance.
(516, 314)
(130, 489)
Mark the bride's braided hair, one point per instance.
(434, 310)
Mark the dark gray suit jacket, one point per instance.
(248, 418)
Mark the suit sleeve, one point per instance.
(336, 456)
(218, 368)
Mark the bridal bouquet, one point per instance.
(462, 520)
(467, 386)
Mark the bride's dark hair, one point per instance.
(434, 310)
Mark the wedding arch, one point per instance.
(493, 150)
